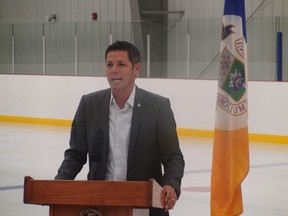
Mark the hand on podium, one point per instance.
(168, 197)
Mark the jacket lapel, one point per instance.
(105, 126)
(137, 112)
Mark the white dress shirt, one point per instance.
(119, 136)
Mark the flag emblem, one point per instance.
(232, 75)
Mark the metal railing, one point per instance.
(192, 46)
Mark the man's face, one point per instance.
(120, 72)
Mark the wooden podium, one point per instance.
(93, 198)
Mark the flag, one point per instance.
(230, 162)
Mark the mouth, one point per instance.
(116, 79)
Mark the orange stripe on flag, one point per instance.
(229, 167)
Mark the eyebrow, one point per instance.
(118, 61)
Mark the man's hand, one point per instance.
(168, 197)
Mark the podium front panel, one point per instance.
(75, 210)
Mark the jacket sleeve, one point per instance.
(171, 155)
(76, 156)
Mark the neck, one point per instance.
(121, 98)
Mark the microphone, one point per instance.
(96, 152)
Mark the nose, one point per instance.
(114, 69)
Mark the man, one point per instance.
(128, 133)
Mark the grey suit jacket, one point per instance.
(153, 140)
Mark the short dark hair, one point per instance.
(133, 52)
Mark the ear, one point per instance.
(137, 68)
